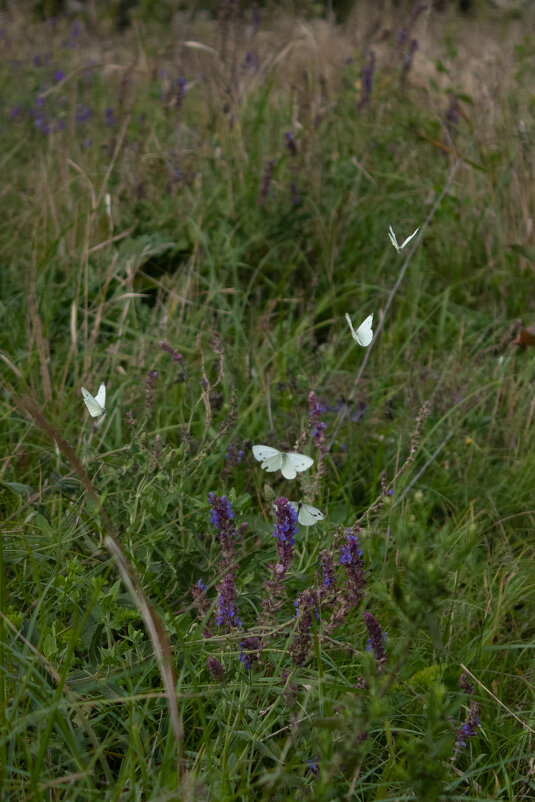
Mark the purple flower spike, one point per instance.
(284, 531)
(468, 729)
(327, 569)
(376, 639)
(59, 75)
(290, 143)
(306, 612)
(83, 114)
(109, 117)
(266, 182)
(312, 765)
(216, 669)
(367, 80)
(227, 611)
(222, 518)
(250, 649)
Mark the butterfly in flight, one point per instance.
(96, 404)
(394, 241)
(364, 334)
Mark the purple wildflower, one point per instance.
(306, 611)
(318, 426)
(227, 610)
(294, 192)
(312, 765)
(470, 726)
(367, 80)
(222, 518)
(59, 75)
(15, 112)
(464, 684)
(250, 649)
(76, 30)
(83, 114)
(181, 91)
(251, 61)
(327, 569)
(453, 118)
(407, 60)
(265, 183)
(201, 603)
(468, 730)
(404, 33)
(234, 454)
(109, 117)
(284, 531)
(376, 639)
(150, 385)
(177, 357)
(216, 669)
(290, 143)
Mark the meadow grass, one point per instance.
(188, 213)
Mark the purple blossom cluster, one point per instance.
(367, 74)
(216, 669)
(177, 357)
(376, 639)
(470, 726)
(284, 531)
(250, 651)
(472, 722)
(351, 557)
(222, 517)
(151, 378)
(234, 454)
(306, 606)
(265, 182)
(328, 577)
(315, 411)
(227, 610)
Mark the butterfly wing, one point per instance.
(93, 407)
(294, 463)
(364, 333)
(271, 459)
(350, 324)
(409, 238)
(307, 515)
(100, 397)
(393, 239)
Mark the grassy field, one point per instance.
(190, 208)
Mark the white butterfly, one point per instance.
(289, 464)
(364, 334)
(394, 241)
(96, 404)
(306, 514)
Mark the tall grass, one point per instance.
(189, 212)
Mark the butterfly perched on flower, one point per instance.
(288, 463)
(307, 515)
